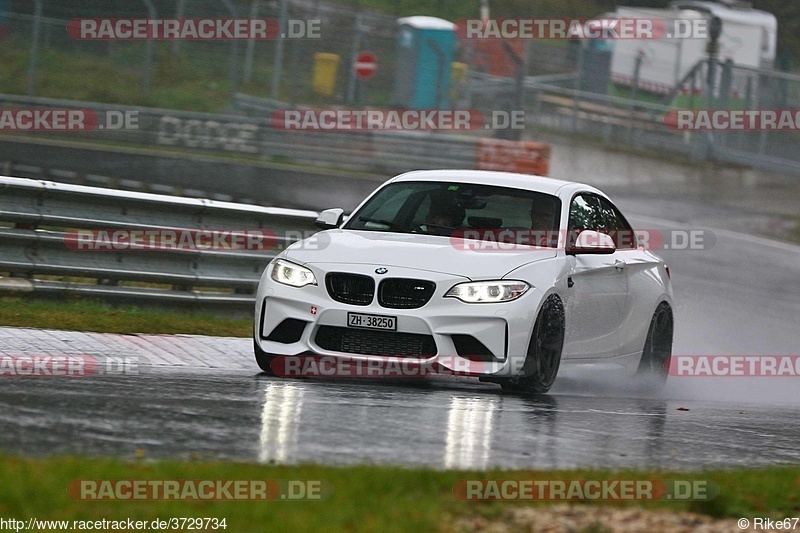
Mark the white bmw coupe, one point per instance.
(491, 274)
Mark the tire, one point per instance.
(657, 350)
(544, 351)
(263, 359)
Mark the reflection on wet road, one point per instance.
(454, 424)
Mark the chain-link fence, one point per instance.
(725, 86)
(42, 58)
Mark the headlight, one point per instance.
(477, 292)
(292, 274)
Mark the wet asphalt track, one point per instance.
(740, 297)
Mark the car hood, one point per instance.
(423, 252)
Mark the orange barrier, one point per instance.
(490, 56)
(514, 156)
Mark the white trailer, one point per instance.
(748, 39)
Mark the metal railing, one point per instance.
(40, 220)
(253, 135)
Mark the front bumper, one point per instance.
(444, 325)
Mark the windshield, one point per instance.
(464, 210)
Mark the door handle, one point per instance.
(619, 264)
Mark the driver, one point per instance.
(444, 212)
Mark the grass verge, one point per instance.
(363, 498)
(85, 315)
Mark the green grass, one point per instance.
(627, 92)
(363, 498)
(92, 316)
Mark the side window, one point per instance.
(617, 226)
(585, 213)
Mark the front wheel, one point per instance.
(263, 359)
(544, 351)
(653, 367)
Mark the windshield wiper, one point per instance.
(385, 222)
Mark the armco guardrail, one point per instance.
(42, 218)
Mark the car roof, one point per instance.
(502, 179)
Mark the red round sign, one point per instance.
(365, 65)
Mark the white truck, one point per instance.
(748, 38)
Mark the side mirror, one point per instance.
(330, 218)
(592, 242)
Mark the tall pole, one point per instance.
(278, 64)
(715, 30)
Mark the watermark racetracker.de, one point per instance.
(199, 489)
(614, 28)
(69, 366)
(615, 489)
(57, 120)
(165, 240)
(191, 29)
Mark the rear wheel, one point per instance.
(263, 359)
(544, 351)
(653, 367)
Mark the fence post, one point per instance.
(277, 66)
(147, 79)
(34, 59)
(637, 69)
(351, 80)
(251, 47)
(296, 89)
(712, 49)
(578, 80)
(725, 83)
(637, 72)
(176, 44)
(519, 90)
(234, 53)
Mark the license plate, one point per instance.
(361, 320)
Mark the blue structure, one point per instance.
(5, 11)
(425, 49)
